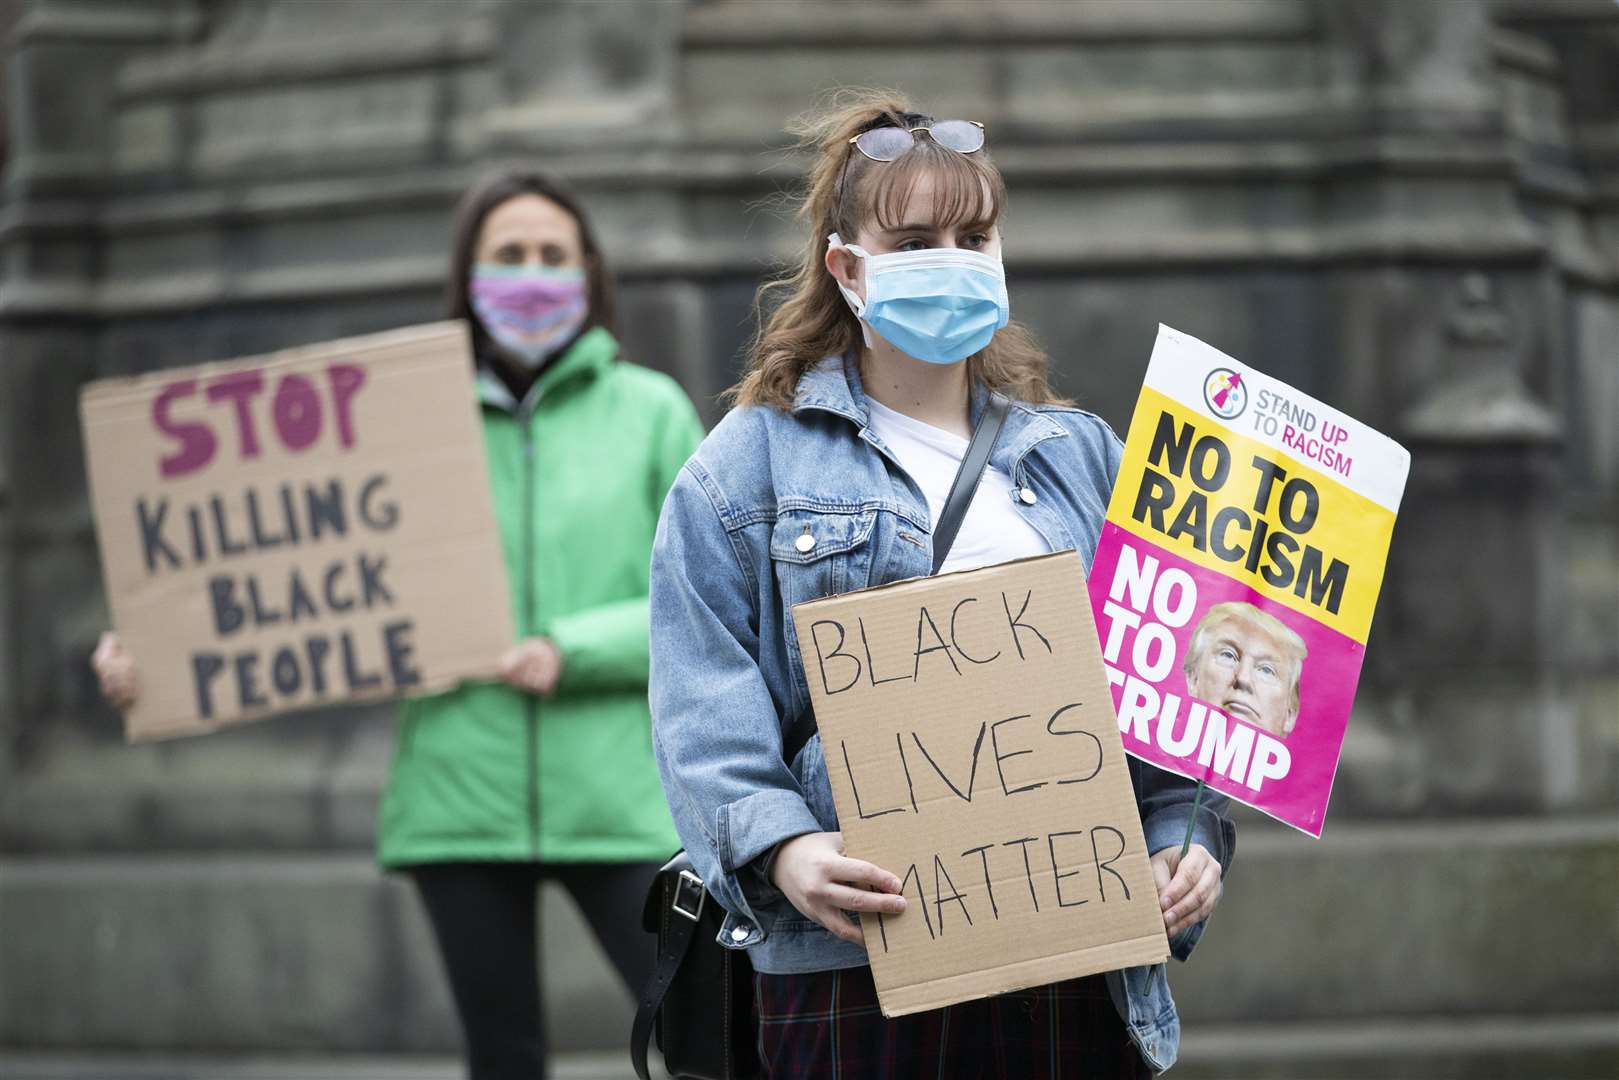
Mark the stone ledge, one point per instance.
(297, 783)
(597, 1065)
(253, 952)
(1042, 22)
(1524, 53)
(1407, 1048)
(746, 167)
(259, 68)
(1555, 13)
(311, 782)
(1412, 917)
(1396, 1048)
(23, 1065)
(107, 24)
(1387, 242)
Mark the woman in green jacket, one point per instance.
(547, 774)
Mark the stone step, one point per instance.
(1486, 1048)
(320, 953)
(1511, 916)
(22, 1065)
(297, 783)
(311, 783)
(1407, 1048)
(256, 953)
(25, 1066)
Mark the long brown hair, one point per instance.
(477, 204)
(808, 319)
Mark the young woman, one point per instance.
(852, 419)
(549, 773)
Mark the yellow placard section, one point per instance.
(1238, 507)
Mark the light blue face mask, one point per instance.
(940, 305)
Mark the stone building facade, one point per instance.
(1409, 208)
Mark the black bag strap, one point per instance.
(962, 489)
(681, 914)
(967, 477)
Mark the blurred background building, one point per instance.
(1408, 208)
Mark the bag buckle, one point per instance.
(685, 885)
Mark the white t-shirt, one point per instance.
(994, 530)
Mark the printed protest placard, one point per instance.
(972, 751)
(1236, 576)
(303, 528)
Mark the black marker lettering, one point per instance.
(1051, 845)
(822, 656)
(972, 775)
(989, 886)
(995, 746)
(1107, 864)
(957, 642)
(151, 528)
(1015, 622)
(1028, 872)
(940, 900)
(859, 807)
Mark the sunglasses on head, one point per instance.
(888, 142)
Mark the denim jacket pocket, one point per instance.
(817, 542)
(817, 552)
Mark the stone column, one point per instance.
(63, 58)
(1445, 345)
(1476, 590)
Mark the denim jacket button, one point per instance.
(740, 934)
(1026, 496)
(805, 544)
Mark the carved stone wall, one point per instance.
(1408, 208)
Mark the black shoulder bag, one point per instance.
(699, 1001)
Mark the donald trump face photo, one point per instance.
(1247, 663)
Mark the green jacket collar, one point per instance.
(593, 352)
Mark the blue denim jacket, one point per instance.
(727, 680)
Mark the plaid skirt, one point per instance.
(826, 1025)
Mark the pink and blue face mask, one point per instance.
(530, 311)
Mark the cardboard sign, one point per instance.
(1236, 576)
(299, 529)
(972, 751)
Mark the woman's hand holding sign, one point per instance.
(115, 671)
(1189, 888)
(533, 664)
(822, 883)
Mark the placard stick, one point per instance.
(1197, 800)
(1186, 845)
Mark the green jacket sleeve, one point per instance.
(605, 647)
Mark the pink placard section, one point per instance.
(1149, 604)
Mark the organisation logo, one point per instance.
(1225, 393)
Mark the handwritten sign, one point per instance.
(304, 528)
(1236, 575)
(972, 750)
